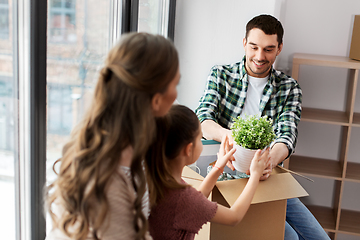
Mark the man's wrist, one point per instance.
(278, 153)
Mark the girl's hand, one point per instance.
(259, 163)
(224, 155)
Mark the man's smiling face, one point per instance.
(261, 51)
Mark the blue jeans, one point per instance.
(301, 224)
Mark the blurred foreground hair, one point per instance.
(120, 115)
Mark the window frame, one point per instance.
(171, 20)
(37, 81)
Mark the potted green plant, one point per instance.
(250, 134)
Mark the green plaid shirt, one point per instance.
(225, 93)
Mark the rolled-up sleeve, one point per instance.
(209, 101)
(289, 118)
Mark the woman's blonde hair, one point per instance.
(137, 68)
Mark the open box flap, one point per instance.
(280, 185)
(189, 173)
(276, 187)
(192, 182)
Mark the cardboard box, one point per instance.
(265, 218)
(355, 40)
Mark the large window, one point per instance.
(76, 37)
(72, 69)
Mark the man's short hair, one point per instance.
(268, 24)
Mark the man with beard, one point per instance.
(254, 87)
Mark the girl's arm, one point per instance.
(233, 215)
(210, 180)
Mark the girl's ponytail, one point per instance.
(173, 132)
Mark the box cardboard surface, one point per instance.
(355, 40)
(265, 218)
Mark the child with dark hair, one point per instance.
(179, 210)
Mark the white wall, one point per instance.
(319, 27)
(209, 32)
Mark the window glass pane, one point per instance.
(150, 16)
(4, 19)
(78, 37)
(8, 121)
(62, 22)
(55, 3)
(69, 4)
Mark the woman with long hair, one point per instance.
(101, 191)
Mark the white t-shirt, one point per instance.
(253, 96)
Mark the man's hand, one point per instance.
(277, 154)
(212, 130)
(267, 171)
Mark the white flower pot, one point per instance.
(243, 157)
